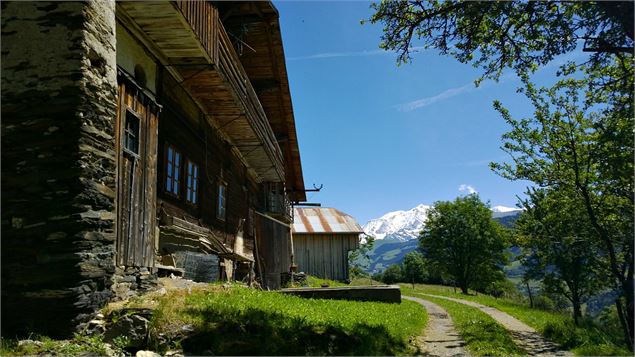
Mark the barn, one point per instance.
(322, 239)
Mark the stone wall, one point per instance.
(59, 91)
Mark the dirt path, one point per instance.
(440, 338)
(524, 336)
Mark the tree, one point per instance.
(392, 274)
(495, 35)
(557, 246)
(581, 142)
(414, 270)
(462, 240)
(592, 158)
(359, 259)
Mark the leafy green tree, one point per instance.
(462, 240)
(556, 246)
(495, 35)
(392, 274)
(414, 270)
(595, 159)
(359, 259)
(581, 142)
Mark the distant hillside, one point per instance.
(396, 234)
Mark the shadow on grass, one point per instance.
(256, 332)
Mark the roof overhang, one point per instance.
(255, 27)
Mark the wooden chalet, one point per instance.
(226, 164)
(141, 137)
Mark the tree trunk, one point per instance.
(577, 311)
(531, 297)
(623, 320)
(629, 296)
(464, 288)
(625, 286)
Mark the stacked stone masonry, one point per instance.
(59, 92)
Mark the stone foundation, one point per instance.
(59, 89)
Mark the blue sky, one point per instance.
(380, 137)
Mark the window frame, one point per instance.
(221, 199)
(175, 174)
(124, 141)
(195, 187)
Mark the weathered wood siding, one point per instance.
(136, 178)
(274, 251)
(184, 126)
(324, 255)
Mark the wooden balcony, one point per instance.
(189, 39)
(276, 201)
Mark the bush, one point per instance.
(392, 274)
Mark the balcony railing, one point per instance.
(204, 20)
(277, 202)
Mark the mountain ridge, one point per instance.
(396, 233)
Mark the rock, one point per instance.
(143, 353)
(23, 343)
(95, 327)
(110, 352)
(175, 353)
(133, 326)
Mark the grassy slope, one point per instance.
(42, 345)
(482, 334)
(557, 327)
(238, 321)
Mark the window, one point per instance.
(131, 133)
(192, 182)
(222, 201)
(172, 170)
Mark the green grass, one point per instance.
(586, 339)
(316, 282)
(482, 334)
(242, 321)
(42, 345)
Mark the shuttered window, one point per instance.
(172, 170)
(192, 183)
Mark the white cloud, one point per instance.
(347, 54)
(448, 93)
(469, 189)
(469, 87)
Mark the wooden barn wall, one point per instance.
(324, 255)
(185, 127)
(274, 251)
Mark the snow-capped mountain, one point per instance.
(406, 225)
(502, 211)
(396, 233)
(398, 225)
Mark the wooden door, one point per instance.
(137, 130)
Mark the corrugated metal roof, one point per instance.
(323, 220)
